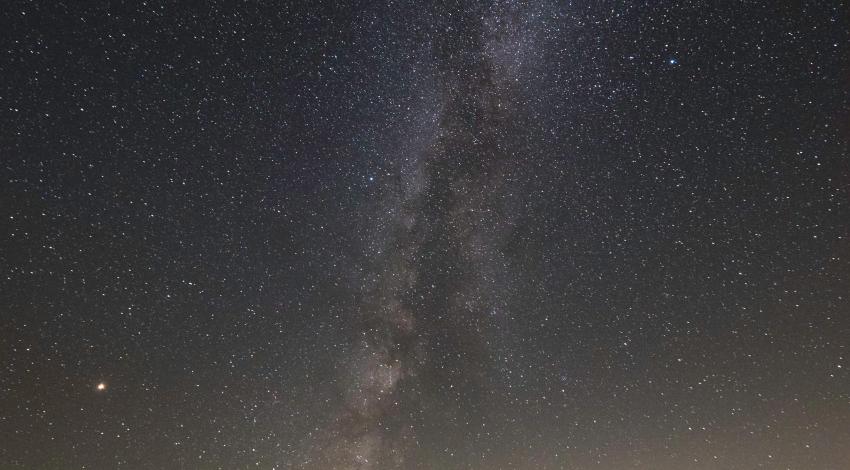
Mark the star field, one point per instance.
(440, 235)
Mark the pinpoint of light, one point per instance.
(101, 386)
(673, 61)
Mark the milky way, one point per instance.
(436, 277)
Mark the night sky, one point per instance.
(510, 235)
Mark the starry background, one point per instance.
(557, 235)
